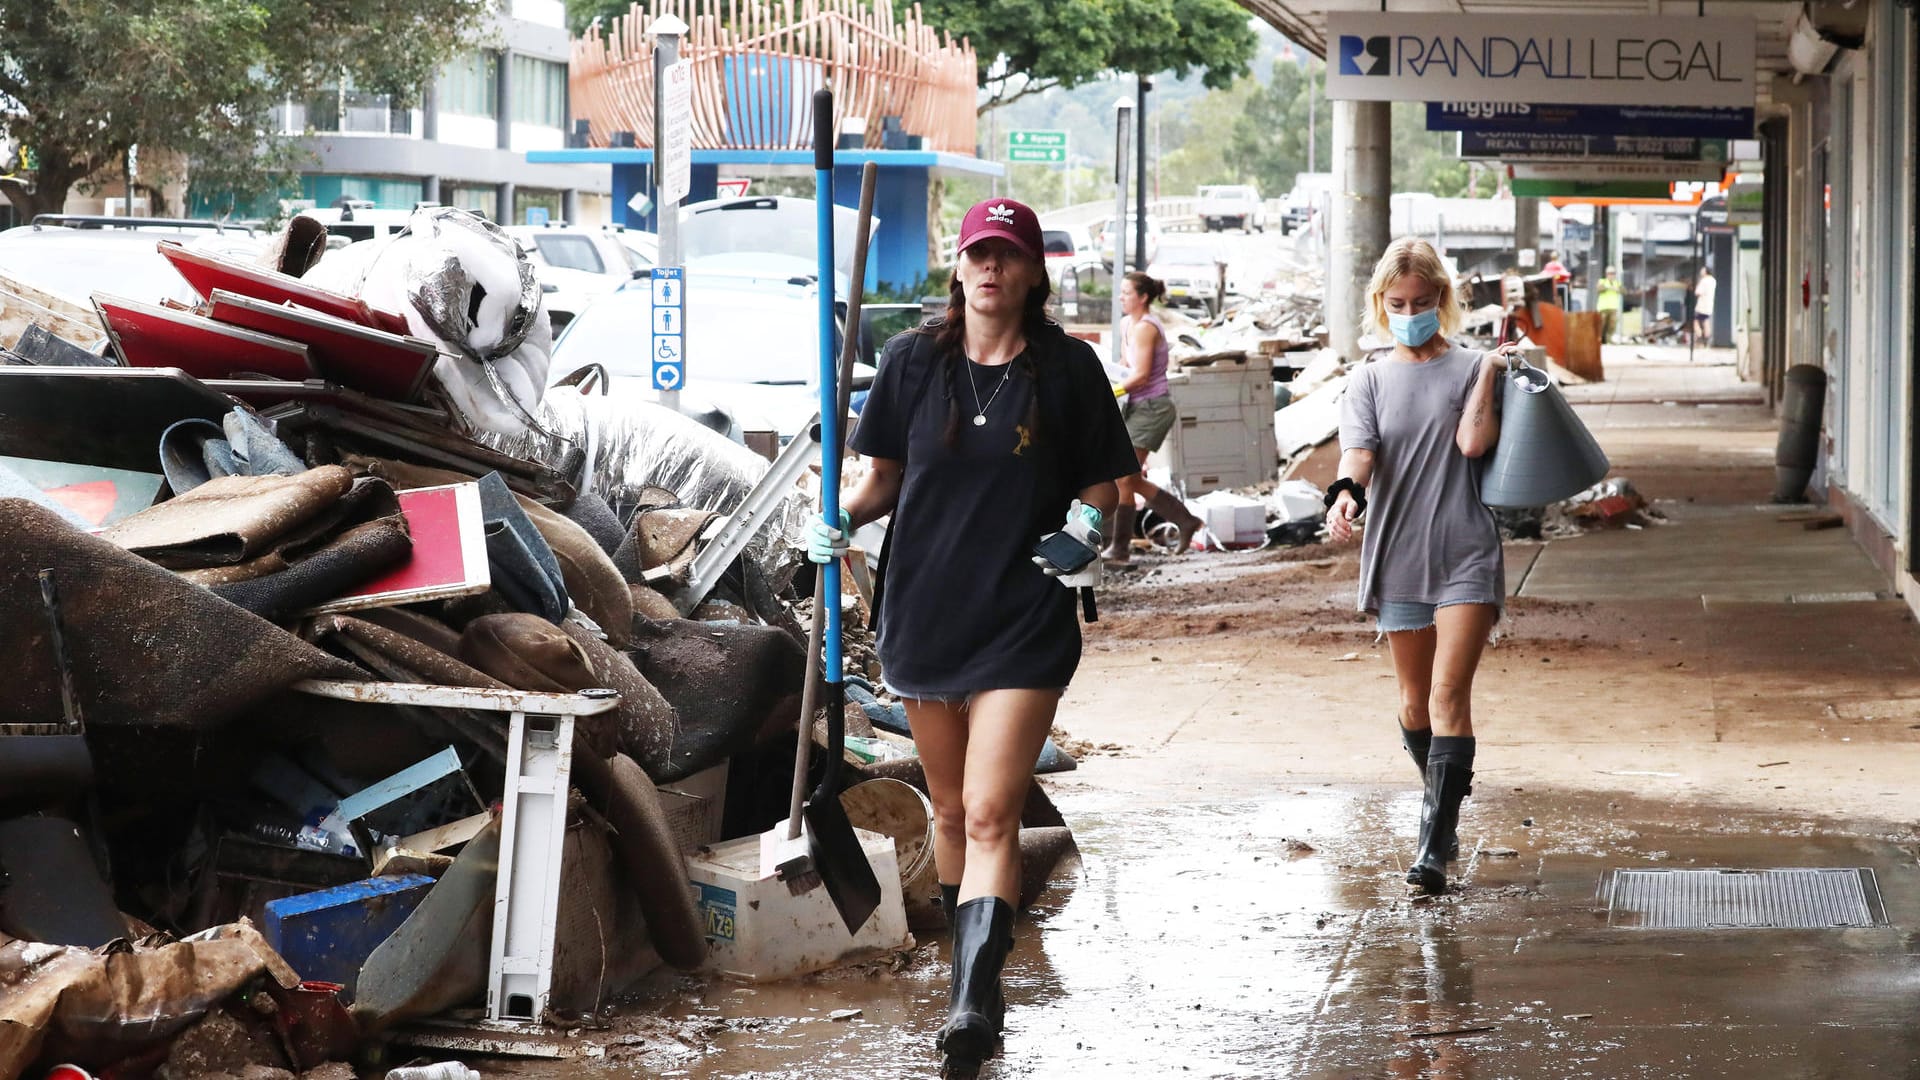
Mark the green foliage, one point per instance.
(84, 80)
(1274, 139)
(1425, 160)
(1030, 46)
(1261, 135)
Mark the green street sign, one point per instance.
(1037, 147)
(1591, 189)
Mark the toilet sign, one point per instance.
(667, 346)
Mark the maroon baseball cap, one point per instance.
(1012, 221)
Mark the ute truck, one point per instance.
(1222, 206)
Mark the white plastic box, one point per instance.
(758, 931)
(1236, 521)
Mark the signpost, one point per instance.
(1589, 190)
(1662, 171)
(1583, 59)
(1682, 121)
(676, 135)
(1524, 146)
(1037, 147)
(667, 346)
(672, 169)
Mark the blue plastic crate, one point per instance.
(327, 935)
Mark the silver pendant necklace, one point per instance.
(980, 411)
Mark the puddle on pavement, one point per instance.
(1276, 939)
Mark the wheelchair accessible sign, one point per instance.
(667, 348)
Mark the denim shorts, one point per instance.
(962, 698)
(1397, 616)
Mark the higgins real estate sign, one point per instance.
(1577, 59)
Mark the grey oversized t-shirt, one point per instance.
(1428, 537)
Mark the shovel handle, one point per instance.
(830, 420)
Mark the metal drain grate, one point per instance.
(1779, 899)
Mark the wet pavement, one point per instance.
(1276, 938)
(1245, 816)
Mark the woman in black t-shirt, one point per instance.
(987, 430)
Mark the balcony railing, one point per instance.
(756, 65)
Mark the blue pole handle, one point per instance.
(830, 418)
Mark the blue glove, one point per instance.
(825, 543)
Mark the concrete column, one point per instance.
(1526, 231)
(1600, 253)
(505, 202)
(1362, 187)
(504, 101)
(570, 205)
(430, 110)
(430, 190)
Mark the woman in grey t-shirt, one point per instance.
(1413, 426)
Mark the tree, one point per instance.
(1273, 139)
(83, 81)
(1031, 46)
(1198, 138)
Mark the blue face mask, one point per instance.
(1414, 331)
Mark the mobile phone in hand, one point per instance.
(1065, 551)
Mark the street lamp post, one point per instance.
(666, 52)
(1122, 125)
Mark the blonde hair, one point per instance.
(1411, 256)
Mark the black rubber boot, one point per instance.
(1449, 780)
(982, 934)
(1417, 743)
(949, 899)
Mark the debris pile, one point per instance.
(364, 700)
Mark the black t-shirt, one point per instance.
(964, 608)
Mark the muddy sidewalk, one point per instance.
(1727, 690)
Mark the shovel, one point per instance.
(832, 855)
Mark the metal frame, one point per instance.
(532, 830)
(736, 532)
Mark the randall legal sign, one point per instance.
(1563, 58)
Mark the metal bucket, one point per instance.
(1545, 453)
(898, 809)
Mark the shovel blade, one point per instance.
(842, 862)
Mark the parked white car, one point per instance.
(1222, 206)
(1191, 273)
(358, 221)
(575, 266)
(74, 261)
(1068, 248)
(752, 347)
(1153, 240)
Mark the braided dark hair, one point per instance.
(950, 338)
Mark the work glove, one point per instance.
(1083, 526)
(825, 543)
